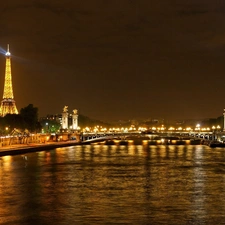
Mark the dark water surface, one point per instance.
(99, 184)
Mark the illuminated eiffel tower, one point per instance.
(8, 104)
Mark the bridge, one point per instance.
(153, 137)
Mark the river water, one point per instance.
(97, 184)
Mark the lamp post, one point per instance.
(46, 128)
(217, 131)
(213, 132)
(6, 130)
(197, 128)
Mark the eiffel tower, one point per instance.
(8, 104)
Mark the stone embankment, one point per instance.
(26, 148)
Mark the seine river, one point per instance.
(97, 184)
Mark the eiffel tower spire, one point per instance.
(8, 104)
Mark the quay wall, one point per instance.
(34, 139)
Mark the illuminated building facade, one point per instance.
(8, 104)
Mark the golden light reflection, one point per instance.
(145, 142)
(130, 142)
(7, 160)
(117, 142)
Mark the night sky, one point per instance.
(119, 59)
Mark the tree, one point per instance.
(50, 125)
(30, 117)
(14, 121)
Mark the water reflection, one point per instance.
(98, 184)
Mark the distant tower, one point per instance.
(8, 104)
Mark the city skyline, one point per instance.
(119, 60)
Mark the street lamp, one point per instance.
(46, 128)
(216, 132)
(198, 127)
(6, 130)
(213, 131)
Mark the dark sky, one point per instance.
(119, 59)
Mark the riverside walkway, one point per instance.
(33, 147)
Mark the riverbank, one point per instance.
(16, 149)
(26, 148)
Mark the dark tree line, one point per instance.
(85, 121)
(26, 119)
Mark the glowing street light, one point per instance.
(197, 127)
